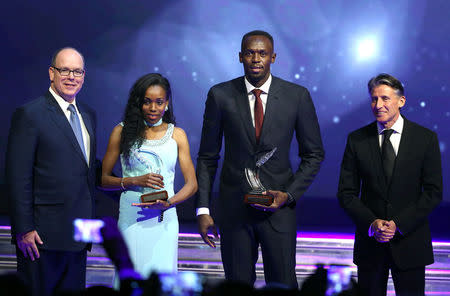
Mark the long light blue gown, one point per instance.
(152, 244)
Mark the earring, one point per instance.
(167, 108)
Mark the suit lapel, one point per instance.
(60, 120)
(271, 104)
(88, 123)
(243, 108)
(403, 150)
(375, 152)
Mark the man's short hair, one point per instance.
(55, 55)
(388, 80)
(256, 33)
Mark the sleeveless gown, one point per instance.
(152, 244)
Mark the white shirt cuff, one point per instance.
(202, 211)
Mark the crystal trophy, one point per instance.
(257, 193)
(151, 163)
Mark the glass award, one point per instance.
(150, 162)
(257, 194)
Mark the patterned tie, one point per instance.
(76, 127)
(259, 113)
(388, 155)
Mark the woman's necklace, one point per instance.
(156, 124)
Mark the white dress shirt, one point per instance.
(395, 140)
(252, 98)
(396, 135)
(64, 105)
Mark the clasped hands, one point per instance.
(383, 230)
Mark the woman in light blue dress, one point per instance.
(149, 145)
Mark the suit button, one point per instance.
(389, 210)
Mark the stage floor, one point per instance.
(313, 248)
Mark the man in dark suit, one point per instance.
(390, 182)
(50, 176)
(255, 114)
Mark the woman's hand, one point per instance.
(156, 205)
(151, 180)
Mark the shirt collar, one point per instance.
(61, 102)
(265, 87)
(397, 127)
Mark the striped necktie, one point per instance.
(76, 127)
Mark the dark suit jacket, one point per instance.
(227, 114)
(49, 181)
(415, 190)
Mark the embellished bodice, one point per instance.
(153, 156)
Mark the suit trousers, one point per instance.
(239, 249)
(373, 279)
(53, 272)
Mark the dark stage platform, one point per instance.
(312, 248)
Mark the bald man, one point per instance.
(50, 176)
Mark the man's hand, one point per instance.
(392, 226)
(27, 244)
(383, 230)
(206, 223)
(279, 199)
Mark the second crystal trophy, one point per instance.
(152, 163)
(257, 193)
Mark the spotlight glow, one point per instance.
(367, 48)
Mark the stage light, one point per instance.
(366, 49)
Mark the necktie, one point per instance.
(76, 127)
(388, 155)
(259, 113)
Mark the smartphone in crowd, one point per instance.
(88, 230)
(181, 283)
(339, 279)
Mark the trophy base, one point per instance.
(154, 196)
(257, 198)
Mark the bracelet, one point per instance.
(170, 204)
(121, 184)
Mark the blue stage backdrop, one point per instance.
(331, 47)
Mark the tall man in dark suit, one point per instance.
(255, 114)
(50, 175)
(390, 182)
